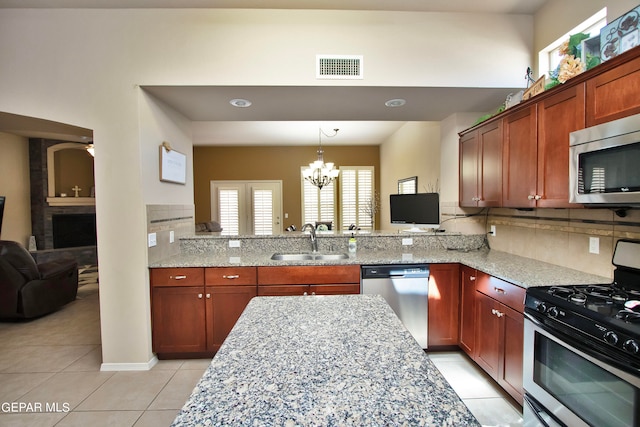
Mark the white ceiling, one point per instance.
(287, 115)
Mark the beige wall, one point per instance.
(270, 163)
(557, 17)
(15, 186)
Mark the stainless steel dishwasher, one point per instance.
(405, 287)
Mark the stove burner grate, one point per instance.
(628, 316)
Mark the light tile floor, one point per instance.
(51, 366)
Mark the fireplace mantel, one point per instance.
(71, 201)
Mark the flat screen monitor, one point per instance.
(1, 212)
(414, 212)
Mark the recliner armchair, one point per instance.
(29, 290)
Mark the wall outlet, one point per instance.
(152, 239)
(172, 236)
(407, 241)
(594, 245)
(492, 230)
(234, 243)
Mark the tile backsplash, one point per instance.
(164, 219)
(557, 236)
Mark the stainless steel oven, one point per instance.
(568, 385)
(582, 349)
(603, 163)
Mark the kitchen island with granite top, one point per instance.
(323, 361)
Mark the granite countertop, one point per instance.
(521, 271)
(322, 361)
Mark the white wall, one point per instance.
(413, 150)
(84, 67)
(15, 186)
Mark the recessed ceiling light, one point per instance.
(241, 103)
(397, 102)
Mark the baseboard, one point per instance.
(129, 366)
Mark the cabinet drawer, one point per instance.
(315, 275)
(220, 276)
(177, 277)
(505, 292)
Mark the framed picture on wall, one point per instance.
(173, 165)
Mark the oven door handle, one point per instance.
(596, 352)
(540, 413)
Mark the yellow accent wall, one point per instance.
(270, 163)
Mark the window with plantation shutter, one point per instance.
(317, 205)
(357, 197)
(262, 212)
(408, 185)
(247, 207)
(229, 210)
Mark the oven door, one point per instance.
(572, 386)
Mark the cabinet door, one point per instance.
(558, 116)
(225, 304)
(519, 165)
(490, 167)
(467, 309)
(512, 347)
(444, 300)
(469, 164)
(614, 94)
(178, 318)
(488, 335)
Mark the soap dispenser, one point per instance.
(353, 246)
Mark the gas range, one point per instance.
(603, 316)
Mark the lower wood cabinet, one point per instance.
(468, 309)
(308, 280)
(499, 329)
(194, 309)
(444, 297)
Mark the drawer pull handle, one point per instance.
(472, 278)
(178, 277)
(208, 296)
(199, 296)
(497, 312)
(232, 276)
(500, 290)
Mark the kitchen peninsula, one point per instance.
(322, 360)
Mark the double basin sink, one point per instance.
(309, 256)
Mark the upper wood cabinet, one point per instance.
(481, 166)
(519, 161)
(614, 94)
(558, 116)
(535, 137)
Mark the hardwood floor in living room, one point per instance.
(50, 375)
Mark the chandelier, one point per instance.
(320, 173)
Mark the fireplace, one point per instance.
(73, 230)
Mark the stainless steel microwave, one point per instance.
(604, 163)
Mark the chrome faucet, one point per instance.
(314, 240)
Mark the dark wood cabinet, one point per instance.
(444, 300)
(615, 93)
(308, 280)
(481, 166)
(558, 116)
(535, 136)
(500, 332)
(467, 309)
(519, 167)
(194, 309)
(178, 315)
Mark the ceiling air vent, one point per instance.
(338, 66)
